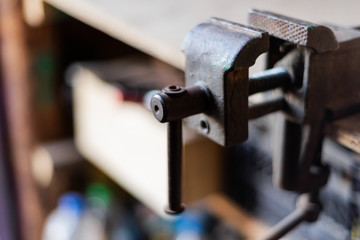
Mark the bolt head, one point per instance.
(174, 90)
(204, 126)
(157, 108)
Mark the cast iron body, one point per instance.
(318, 83)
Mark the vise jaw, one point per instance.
(329, 90)
(218, 56)
(331, 57)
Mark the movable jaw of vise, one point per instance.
(221, 65)
(215, 99)
(316, 68)
(217, 66)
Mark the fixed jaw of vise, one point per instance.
(329, 90)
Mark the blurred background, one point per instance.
(82, 157)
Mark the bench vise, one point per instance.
(314, 69)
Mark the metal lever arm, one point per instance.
(172, 105)
(174, 167)
(307, 210)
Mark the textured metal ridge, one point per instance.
(304, 33)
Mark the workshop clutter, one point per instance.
(99, 214)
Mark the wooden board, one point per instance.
(346, 132)
(158, 27)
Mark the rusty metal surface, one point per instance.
(215, 60)
(269, 79)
